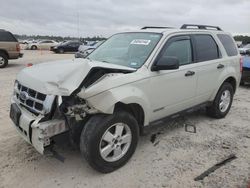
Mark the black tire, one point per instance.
(33, 47)
(93, 132)
(3, 60)
(214, 110)
(61, 50)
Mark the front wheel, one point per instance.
(222, 102)
(108, 141)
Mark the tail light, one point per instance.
(241, 64)
(18, 47)
(29, 65)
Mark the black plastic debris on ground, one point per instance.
(215, 167)
(156, 143)
(153, 137)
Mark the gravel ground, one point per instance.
(166, 157)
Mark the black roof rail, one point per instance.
(186, 26)
(155, 27)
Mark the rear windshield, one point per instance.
(7, 37)
(228, 44)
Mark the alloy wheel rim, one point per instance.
(225, 101)
(1, 60)
(115, 142)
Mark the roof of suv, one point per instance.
(184, 28)
(6, 36)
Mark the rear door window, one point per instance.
(206, 48)
(228, 44)
(74, 44)
(7, 37)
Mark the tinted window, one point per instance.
(74, 44)
(7, 37)
(228, 44)
(206, 48)
(71, 44)
(180, 49)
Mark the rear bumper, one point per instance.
(15, 56)
(35, 132)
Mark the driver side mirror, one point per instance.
(166, 63)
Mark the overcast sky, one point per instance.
(105, 17)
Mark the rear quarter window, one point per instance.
(228, 44)
(7, 37)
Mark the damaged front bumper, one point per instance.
(31, 127)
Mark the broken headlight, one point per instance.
(74, 106)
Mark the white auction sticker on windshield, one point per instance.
(140, 42)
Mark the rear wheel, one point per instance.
(61, 51)
(3, 60)
(222, 102)
(33, 47)
(108, 141)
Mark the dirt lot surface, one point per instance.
(166, 157)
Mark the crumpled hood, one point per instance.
(60, 77)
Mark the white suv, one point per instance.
(131, 81)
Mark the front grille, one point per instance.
(32, 100)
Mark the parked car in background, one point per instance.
(69, 46)
(9, 48)
(244, 49)
(41, 45)
(133, 80)
(28, 41)
(246, 68)
(85, 50)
